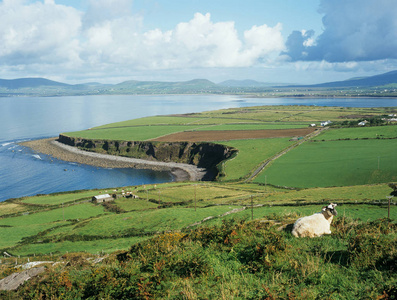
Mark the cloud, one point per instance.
(354, 30)
(37, 33)
(197, 43)
(108, 39)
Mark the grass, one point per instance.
(235, 259)
(11, 236)
(81, 211)
(251, 154)
(344, 194)
(139, 218)
(256, 126)
(334, 163)
(94, 247)
(57, 199)
(139, 133)
(14, 229)
(310, 165)
(148, 221)
(360, 133)
(7, 208)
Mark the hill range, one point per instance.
(46, 87)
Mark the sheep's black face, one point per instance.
(331, 209)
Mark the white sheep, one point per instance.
(316, 224)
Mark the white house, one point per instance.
(102, 198)
(325, 123)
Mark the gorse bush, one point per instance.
(374, 246)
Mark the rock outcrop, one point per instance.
(13, 281)
(203, 154)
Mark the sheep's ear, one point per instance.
(324, 208)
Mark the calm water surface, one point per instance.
(25, 173)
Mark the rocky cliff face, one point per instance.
(204, 154)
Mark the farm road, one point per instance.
(267, 162)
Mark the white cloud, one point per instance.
(108, 39)
(37, 33)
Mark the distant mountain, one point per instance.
(248, 83)
(45, 87)
(30, 83)
(370, 81)
(192, 86)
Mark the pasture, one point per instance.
(258, 134)
(376, 132)
(334, 163)
(172, 207)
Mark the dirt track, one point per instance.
(226, 135)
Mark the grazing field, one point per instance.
(228, 135)
(335, 163)
(136, 133)
(171, 206)
(259, 133)
(62, 197)
(376, 132)
(251, 154)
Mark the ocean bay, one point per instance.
(25, 173)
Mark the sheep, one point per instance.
(316, 224)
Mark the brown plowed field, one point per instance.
(227, 135)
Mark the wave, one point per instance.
(6, 144)
(37, 156)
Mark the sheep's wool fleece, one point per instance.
(311, 226)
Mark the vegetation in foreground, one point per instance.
(237, 259)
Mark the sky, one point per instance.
(276, 41)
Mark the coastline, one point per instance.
(50, 146)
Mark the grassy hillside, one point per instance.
(246, 255)
(43, 224)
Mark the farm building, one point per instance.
(102, 198)
(363, 123)
(325, 123)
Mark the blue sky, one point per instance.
(109, 41)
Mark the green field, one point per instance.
(335, 163)
(251, 154)
(165, 207)
(325, 163)
(376, 132)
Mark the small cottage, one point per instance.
(102, 198)
(326, 123)
(363, 123)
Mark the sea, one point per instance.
(24, 172)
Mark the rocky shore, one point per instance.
(181, 172)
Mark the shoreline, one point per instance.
(51, 147)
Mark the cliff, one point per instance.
(203, 155)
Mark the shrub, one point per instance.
(374, 246)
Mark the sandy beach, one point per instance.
(181, 172)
